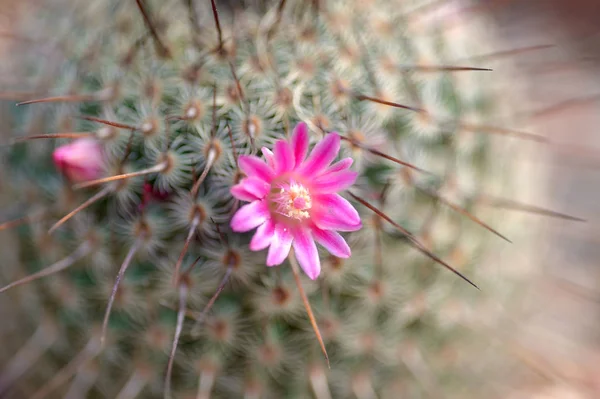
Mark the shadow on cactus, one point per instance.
(164, 107)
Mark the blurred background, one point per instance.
(561, 343)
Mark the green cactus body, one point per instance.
(186, 101)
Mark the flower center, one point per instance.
(292, 200)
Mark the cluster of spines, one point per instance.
(176, 109)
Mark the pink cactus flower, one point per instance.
(294, 201)
(80, 160)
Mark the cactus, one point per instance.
(135, 130)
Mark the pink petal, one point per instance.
(250, 216)
(334, 182)
(322, 155)
(280, 246)
(263, 236)
(305, 251)
(269, 157)
(332, 241)
(240, 192)
(284, 157)
(332, 212)
(253, 167)
(339, 166)
(250, 189)
(300, 142)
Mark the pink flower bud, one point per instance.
(80, 160)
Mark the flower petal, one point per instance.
(284, 157)
(305, 251)
(240, 192)
(333, 182)
(250, 216)
(280, 246)
(269, 157)
(339, 166)
(250, 189)
(253, 166)
(332, 241)
(300, 142)
(332, 212)
(322, 155)
(263, 236)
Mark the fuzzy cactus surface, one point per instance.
(152, 138)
